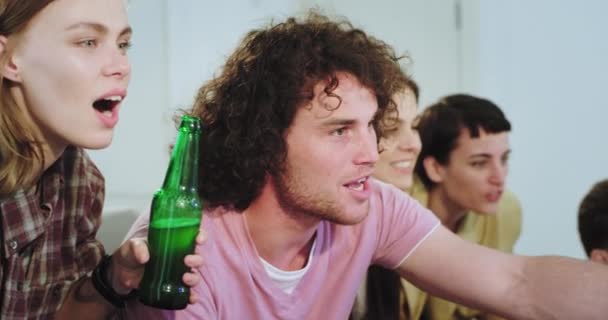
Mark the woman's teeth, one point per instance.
(114, 98)
(402, 164)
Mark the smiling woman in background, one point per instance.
(401, 146)
(379, 297)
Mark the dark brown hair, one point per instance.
(441, 123)
(593, 218)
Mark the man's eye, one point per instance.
(339, 132)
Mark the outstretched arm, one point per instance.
(515, 287)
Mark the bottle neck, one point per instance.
(182, 174)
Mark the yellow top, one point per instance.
(499, 231)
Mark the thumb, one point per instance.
(133, 253)
(128, 264)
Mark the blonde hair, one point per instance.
(20, 143)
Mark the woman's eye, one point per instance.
(124, 46)
(89, 43)
(478, 164)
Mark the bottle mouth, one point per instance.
(190, 123)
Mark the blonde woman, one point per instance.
(64, 72)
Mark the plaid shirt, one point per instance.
(48, 237)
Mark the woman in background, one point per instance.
(381, 295)
(459, 175)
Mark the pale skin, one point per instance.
(472, 179)
(72, 55)
(515, 287)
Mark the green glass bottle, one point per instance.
(175, 218)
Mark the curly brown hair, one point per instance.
(247, 108)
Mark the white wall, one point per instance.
(202, 36)
(428, 31)
(545, 63)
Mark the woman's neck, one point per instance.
(449, 213)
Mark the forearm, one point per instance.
(100, 296)
(491, 317)
(564, 288)
(84, 302)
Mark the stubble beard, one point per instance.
(299, 200)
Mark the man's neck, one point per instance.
(283, 239)
(450, 214)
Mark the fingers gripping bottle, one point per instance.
(175, 218)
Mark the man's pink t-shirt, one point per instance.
(235, 284)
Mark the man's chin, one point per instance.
(351, 219)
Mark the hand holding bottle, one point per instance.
(127, 266)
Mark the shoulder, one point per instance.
(386, 194)
(510, 216)
(388, 200)
(509, 204)
(402, 222)
(500, 230)
(509, 210)
(419, 192)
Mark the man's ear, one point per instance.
(433, 169)
(8, 69)
(599, 255)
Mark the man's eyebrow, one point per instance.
(337, 122)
